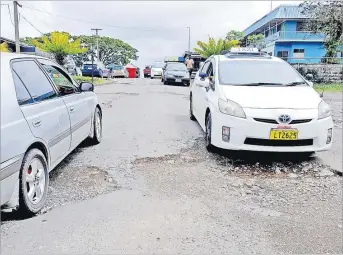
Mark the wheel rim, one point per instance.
(98, 125)
(35, 181)
(208, 131)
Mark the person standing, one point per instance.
(190, 65)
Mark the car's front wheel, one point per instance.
(191, 115)
(34, 182)
(208, 137)
(97, 128)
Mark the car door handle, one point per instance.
(71, 108)
(36, 123)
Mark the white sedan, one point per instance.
(256, 102)
(156, 70)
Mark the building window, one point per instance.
(298, 53)
(282, 54)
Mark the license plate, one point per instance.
(178, 80)
(283, 134)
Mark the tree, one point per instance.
(111, 51)
(60, 45)
(234, 35)
(256, 41)
(325, 17)
(214, 47)
(4, 47)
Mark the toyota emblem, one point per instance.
(284, 118)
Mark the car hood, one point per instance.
(297, 97)
(156, 69)
(177, 73)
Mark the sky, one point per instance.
(155, 28)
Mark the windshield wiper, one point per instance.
(261, 84)
(295, 83)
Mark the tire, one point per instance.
(34, 182)
(191, 116)
(209, 145)
(97, 127)
(151, 77)
(165, 83)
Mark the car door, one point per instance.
(77, 103)
(200, 92)
(47, 115)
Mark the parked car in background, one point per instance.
(175, 73)
(118, 71)
(71, 67)
(45, 115)
(147, 71)
(156, 69)
(98, 69)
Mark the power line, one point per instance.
(105, 25)
(31, 24)
(9, 11)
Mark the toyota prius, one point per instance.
(248, 100)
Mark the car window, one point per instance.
(176, 67)
(23, 95)
(62, 81)
(205, 67)
(34, 80)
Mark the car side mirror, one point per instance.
(202, 75)
(86, 86)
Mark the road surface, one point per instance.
(151, 187)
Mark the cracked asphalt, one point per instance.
(150, 186)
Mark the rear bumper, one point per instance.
(89, 73)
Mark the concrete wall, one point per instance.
(313, 51)
(322, 72)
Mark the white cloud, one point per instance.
(161, 25)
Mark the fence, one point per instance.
(328, 70)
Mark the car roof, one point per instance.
(249, 58)
(8, 56)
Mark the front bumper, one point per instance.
(251, 135)
(156, 74)
(183, 80)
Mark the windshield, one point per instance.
(89, 66)
(176, 67)
(257, 72)
(158, 65)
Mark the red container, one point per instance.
(132, 72)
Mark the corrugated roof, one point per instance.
(281, 12)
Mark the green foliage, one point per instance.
(326, 17)
(111, 51)
(60, 45)
(328, 87)
(256, 40)
(4, 47)
(214, 47)
(97, 80)
(234, 35)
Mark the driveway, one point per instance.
(151, 187)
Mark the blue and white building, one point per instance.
(285, 36)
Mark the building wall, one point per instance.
(313, 51)
(290, 25)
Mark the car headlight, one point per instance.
(231, 108)
(324, 110)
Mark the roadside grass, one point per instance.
(328, 87)
(97, 81)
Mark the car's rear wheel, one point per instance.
(34, 182)
(97, 122)
(208, 137)
(191, 116)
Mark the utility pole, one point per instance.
(97, 41)
(16, 26)
(271, 5)
(189, 39)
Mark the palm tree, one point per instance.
(213, 47)
(4, 47)
(60, 46)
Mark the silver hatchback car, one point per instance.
(45, 114)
